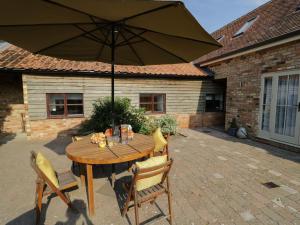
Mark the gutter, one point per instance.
(280, 40)
(103, 74)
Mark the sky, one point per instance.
(214, 14)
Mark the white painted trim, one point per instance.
(281, 42)
(271, 135)
(277, 141)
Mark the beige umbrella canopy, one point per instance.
(128, 32)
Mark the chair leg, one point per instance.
(39, 198)
(136, 210)
(169, 202)
(64, 198)
(125, 208)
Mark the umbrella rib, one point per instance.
(134, 36)
(75, 10)
(132, 49)
(125, 43)
(94, 36)
(149, 11)
(64, 41)
(175, 36)
(156, 45)
(102, 47)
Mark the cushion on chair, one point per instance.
(46, 167)
(150, 181)
(159, 140)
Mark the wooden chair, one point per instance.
(45, 187)
(150, 194)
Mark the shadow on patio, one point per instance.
(71, 216)
(278, 152)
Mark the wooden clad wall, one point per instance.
(182, 96)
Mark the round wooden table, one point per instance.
(88, 154)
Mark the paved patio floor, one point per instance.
(216, 179)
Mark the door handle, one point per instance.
(299, 107)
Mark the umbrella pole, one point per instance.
(113, 76)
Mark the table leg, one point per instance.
(89, 171)
(82, 174)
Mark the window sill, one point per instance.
(155, 113)
(65, 117)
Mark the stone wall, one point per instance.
(243, 76)
(11, 103)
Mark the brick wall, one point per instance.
(11, 103)
(51, 128)
(205, 119)
(244, 80)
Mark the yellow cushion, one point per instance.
(46, 167)
(76, 138)
(159, 140)
(150, 181)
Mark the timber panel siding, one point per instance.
(182, 96)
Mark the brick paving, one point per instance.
(216, 179)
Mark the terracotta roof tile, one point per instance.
(274, 19)
(14, 58)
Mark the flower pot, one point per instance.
(232, 131)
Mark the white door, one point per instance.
(280, 108)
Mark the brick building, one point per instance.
(47, 97)
(254, 78)
(259, 65)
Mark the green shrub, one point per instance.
(167, 123)
(148, 126)
(125, 113)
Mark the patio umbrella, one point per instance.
(126, 32)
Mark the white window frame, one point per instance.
(271, 135)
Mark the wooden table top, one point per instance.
(83, 151)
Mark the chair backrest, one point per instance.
(164, 169)
(166, 148)
(40, 173)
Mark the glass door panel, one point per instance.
(286, 109)
(266, 105)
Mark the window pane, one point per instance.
(75, 109)
(267, 97)
(56, 110)
(214, 102)
(281, 104)
(158, 99)
(147, 107)
(56, 99)
(159, 107)
(74, 99)
(145, 98)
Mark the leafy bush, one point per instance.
(149, 126)
(125, 113)
(167, 123)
